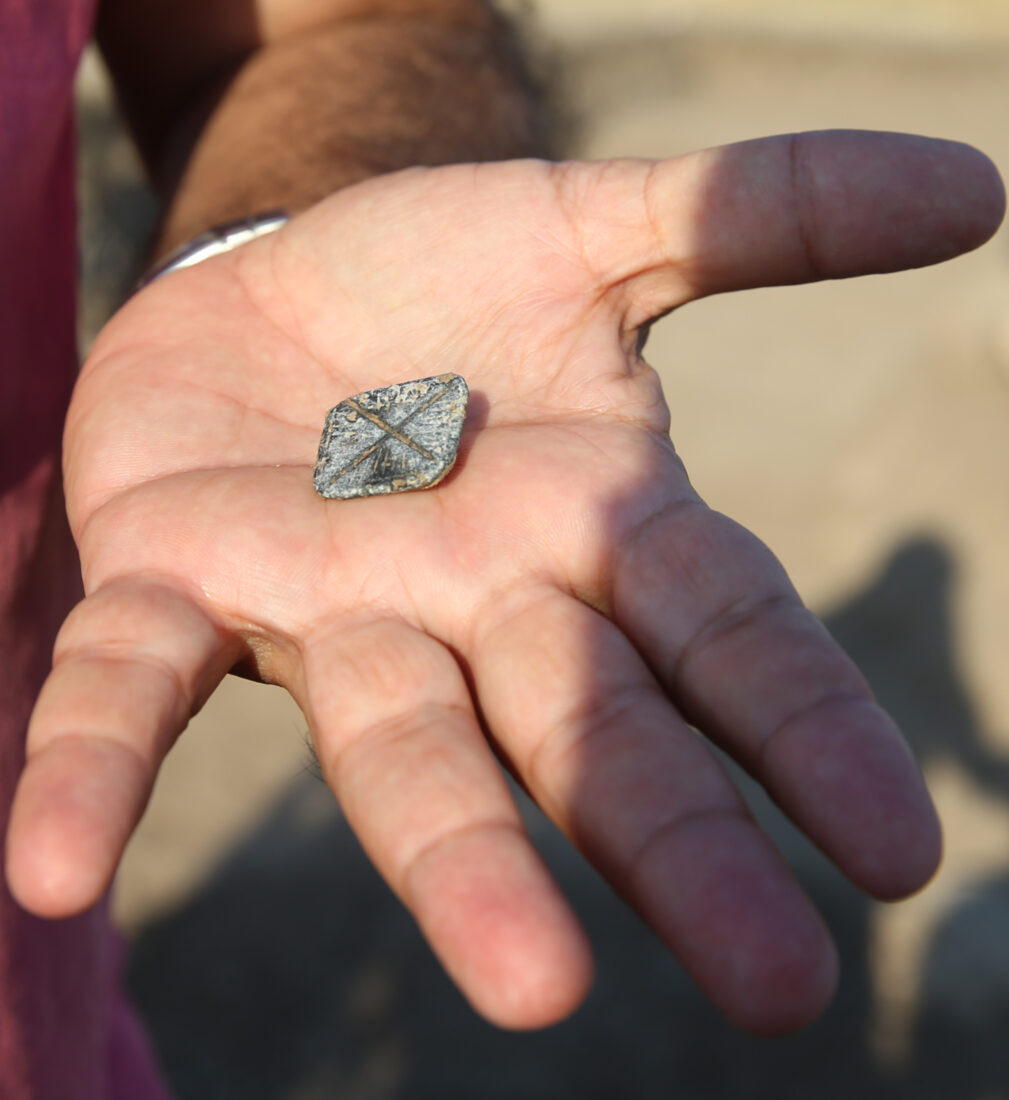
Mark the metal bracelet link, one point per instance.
(214, 242)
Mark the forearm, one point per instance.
(284, 116)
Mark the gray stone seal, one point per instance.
(392, 440)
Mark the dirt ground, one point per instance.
(859, 428)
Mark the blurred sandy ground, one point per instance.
(862, 429)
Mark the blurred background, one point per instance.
(861, 429)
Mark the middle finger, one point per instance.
(610, 760)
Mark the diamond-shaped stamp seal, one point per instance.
(393, 439)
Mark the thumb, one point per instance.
(778, 210)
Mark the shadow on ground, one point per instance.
(294, 974)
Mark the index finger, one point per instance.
(724, 630)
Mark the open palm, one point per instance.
(563, 601)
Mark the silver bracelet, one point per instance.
(214, 242)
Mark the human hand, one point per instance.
(564, 600)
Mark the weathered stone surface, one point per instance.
(393, 439)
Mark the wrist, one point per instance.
(313, 114)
